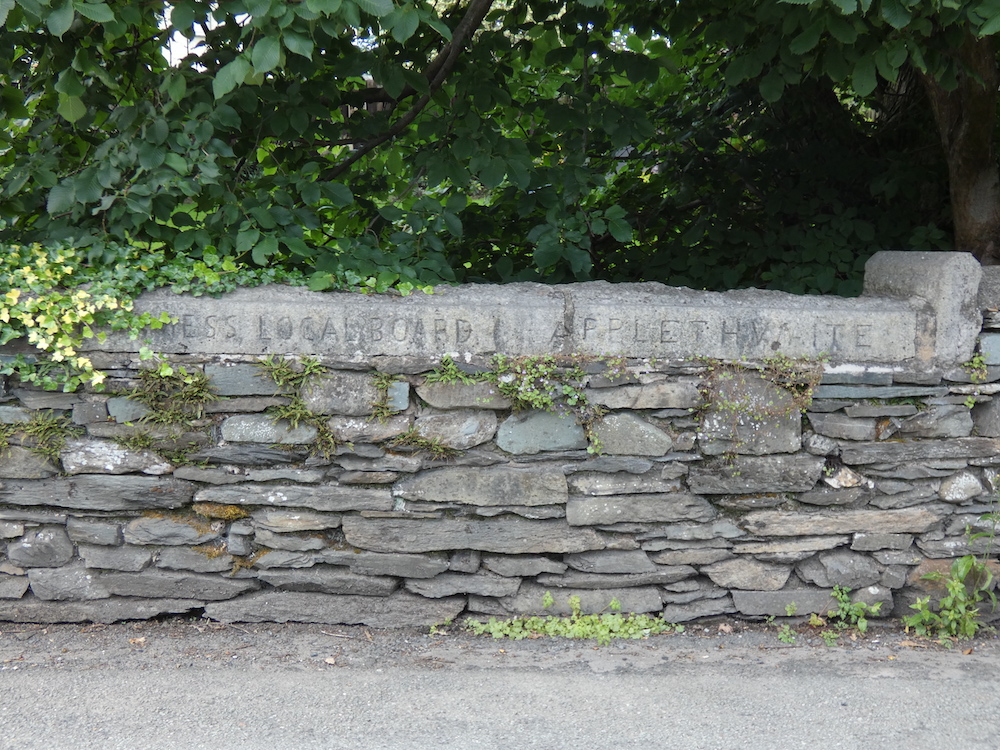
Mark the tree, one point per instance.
(404, 142)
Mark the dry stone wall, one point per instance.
(677, 472)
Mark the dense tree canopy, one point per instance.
(403, 142)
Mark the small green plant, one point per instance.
(968, 584)
(786, 634)
(976, 368)
(294, 375)
(791, 609)
(380, 408)
(414, 441)
(851, 614)
(830, 637)
(46, 433)
(173, 395)
(6, 433)
(603, 626)
(448, 372)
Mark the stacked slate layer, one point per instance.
(692, 508)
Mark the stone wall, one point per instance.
(676, 472)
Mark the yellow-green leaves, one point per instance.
(230, 76)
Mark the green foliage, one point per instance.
(968, 584)
(46, 433)
(173, 395)
(448, 372)
(412, 440)
(380, 407)
(851, 614)
(602, 627)
(294, 375)
(976, 368)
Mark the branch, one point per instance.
(437, 72)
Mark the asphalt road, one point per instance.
(187, 686)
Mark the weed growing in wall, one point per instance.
(292, 376)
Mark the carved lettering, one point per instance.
(399, 329)
(440, 332)
(463, 331)
(639, 326)
(307, 329)
(861, 334)
(668, 331)
(374, 329)
(589, 325)
(283, 328)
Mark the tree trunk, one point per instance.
(966, 121)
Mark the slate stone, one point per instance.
(12, 587)
(101, 457)
(175, 585)
(41, 548)
(750, 502)
(368, 477)
(822, 523)
(261, 428)
(660, 575)
(209, 559)
(691, 556)
(663, 395)
(449, 584)
(880, 410)
(912, 471)
(293, 542)
(875, 596)
(718, 530)
(776, 603)
(594, 483)
(677, 506)
(961, 487)
(281, 521)
(536, 431)
(266, 559)
(17, 462)
(397, 396)
(463, 396)
(843, 426)
(122, 409)
(627, 434)
(168, 530)
(460, 429)
(389, 564)
(749, 415)
(894, 557)
(610, 561)
(327, 498)
(745, 474)
(105, 611)
(305, 476)
(408, 464)
(129, 559)
(863, 393)
(239, 545)
(339, 392)
(400, 610)
(819, 445)
(528, 600)
(677, 613)
(14, 414)
(507, 535)
(694, 596)
(10, 530)
(743, 573)
(488, 486)
(46, 399)
(953, 547)
(363, 430)
(68, 583)
(233, 379)
(244, 404)
(868, 542)
(939, 421)
(465, 561)
(104, 493)
(840, 568)
(84, 531)
(919, 450)
(789, 550)
(916, 496)
(329, 579)
(522, 565)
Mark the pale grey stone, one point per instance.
(32, 609)
(916, 496)
(843, 426)
(449, 584)
(459, 429)
(329, 579)
(592, 483)
(789, 550)
(41, 548)
(465, 561)
(986, 418)
(101, 457)
(913, 471)
(627, 434)
(743, 573)
(898, 557)
(13, 414)
(397, 396)
(244, 404)
(525, 511)
(368, 477)
(104, 493)
(266, 559)
(12, 587)
(961, 487)
(341, 392)
(893, 486)
(840, 567)
(196, 559)
(778, 603)
(389, 564)
(327, 498)
(953, 547)
(610, 561)
(129, 559)
(17, 462)
(749, 502)
(401, 609)
(691, 556)
(305, 476)
(175, 585)
(919, 450)
(508, 535)
(276, 520)
(123, 410)
(723, 529)
(260, 428)
(673, 470)
(89, 412)
(292, 542)
(11, 530)
(939, 421)
(408, 464)
(46, 399)
(364, 430)
(85, 531)
(894, 576)
(875, 596)
(864, 392)
(868, 542)
(696, 610)
(610, 465)
(528, 600)
(486, 487)
(594, 511)
(239, 545)
(715, 592)
(234, 379)
(821, 523)
(32, 516)
(663, 395)
(522, 565)
(463, 396)
(749, 415)
(660, 575)
(166, 530)
(819, 445)
(745, 474)
(881, 410)
(852, 375)
(69, 583)
(535, 431)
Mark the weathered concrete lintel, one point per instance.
(901, 320)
